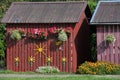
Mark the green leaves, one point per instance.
(15, 35)
(62, 36)
(110, 38)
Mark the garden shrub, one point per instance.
(98, 68)
(47, 69)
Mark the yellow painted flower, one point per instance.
(17, 59)
(31, 59)
(64, 59)
(49, 59)
(40, 50)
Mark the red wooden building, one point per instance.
(107, 21)
(47, 19)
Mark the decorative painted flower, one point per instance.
(49, 60)
(17, 61)
(64, 59)
(31, 59)
(40, 50)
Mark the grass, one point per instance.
(30, 72)
(58, 76)
(12, 72)
(84, 77)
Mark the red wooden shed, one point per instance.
(42, 45)
(107, 21)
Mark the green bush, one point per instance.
(98, 68)
(47, 69)
(93, 49)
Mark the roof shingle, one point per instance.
(107, 13)
(44, 12)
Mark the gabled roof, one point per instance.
(44, 12)
(107, 12)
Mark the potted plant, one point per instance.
(38, 34)
(62, 36)
(15, 35)
(110, 38)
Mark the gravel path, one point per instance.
(56, 75)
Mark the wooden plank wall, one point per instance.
(108, 52)
(25, 48)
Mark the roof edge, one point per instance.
(105, 23)
(95, 12)
(111, 1)
(50, 2)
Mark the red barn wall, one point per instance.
(108, 52)
(25, 48)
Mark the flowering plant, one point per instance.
(53, 30)
(47, 69)
(22, 32)
(98, 68)
(38, 34)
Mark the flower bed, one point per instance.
(98, 68)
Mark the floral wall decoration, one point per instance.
(64, 60)
(17, 60)
(31, 60)
(61, 34)
(38, 34)
(53, 30)
(40, 49)
(49, 60)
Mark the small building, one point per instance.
(106, 18)
(42, 24)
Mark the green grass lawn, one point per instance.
(59, 76)
(84, 77)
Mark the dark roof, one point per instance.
(44, 12)
(107, 13)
